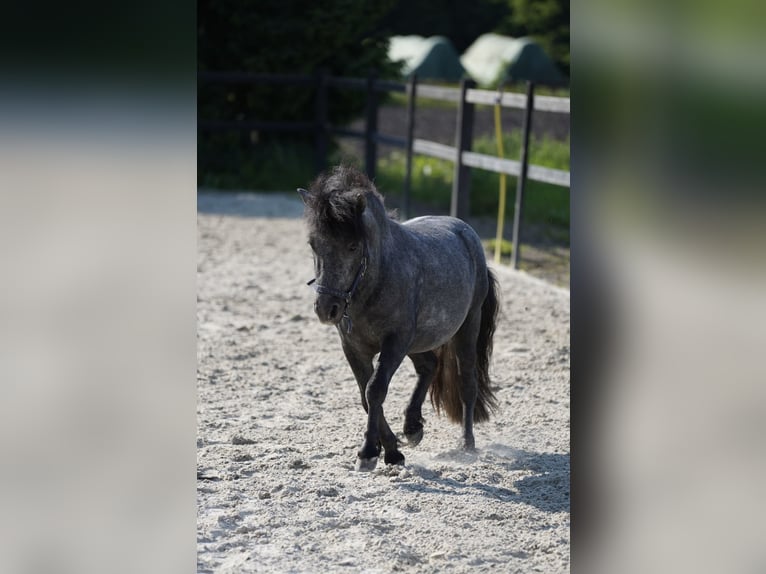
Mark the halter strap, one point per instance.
(345, 295)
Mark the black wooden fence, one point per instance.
(466, 97)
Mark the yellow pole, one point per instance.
(501, 206)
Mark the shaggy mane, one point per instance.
(332, 204)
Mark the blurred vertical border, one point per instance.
(668, 286)
(97, 305)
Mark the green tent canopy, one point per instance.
(431, 58)
(493, 58)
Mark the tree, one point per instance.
(547, 21)
(279, 36)
(462, 21)
(287, 36)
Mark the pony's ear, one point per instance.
(303, 193)
(361, 203)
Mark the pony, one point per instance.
(419, 289)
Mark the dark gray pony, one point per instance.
(420, 289)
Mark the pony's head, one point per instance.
(335, 215)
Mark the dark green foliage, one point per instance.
(344, 37)
(285, 37)
(545, 20)
(265, 167)
(462, 21)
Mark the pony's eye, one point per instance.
(352, 247)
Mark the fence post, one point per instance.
(371, 129)
(320, 128)
(461, 180)
(412, 88)
(521, 182)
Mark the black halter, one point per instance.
(345, 295)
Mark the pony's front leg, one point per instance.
(390, 442)
(391, 356)
(361, 365)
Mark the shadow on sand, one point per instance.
(249, 204)
(546, 489)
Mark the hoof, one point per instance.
(394, 457)
(366, 464)
(414, 437)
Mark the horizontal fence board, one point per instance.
(245, 125)
(489, 97)
(249, 78)
(420, 146)
(474, 96)
(513, 167)
(552, 104)
(548, 175)
(352, 83)
(434, 149)
(514, 100)
(391, 140)
(491, 163)
(438, 93)
(388, 86)
(344, 132)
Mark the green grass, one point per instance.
(506, 247)
(274, 166)
(271, 166)
(432, 180)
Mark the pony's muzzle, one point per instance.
(329, 309)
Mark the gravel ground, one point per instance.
(279, 423)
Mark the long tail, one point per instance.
(445, 388)
(486, 402)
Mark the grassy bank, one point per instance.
(283, 167)
(264, 167)
(432, 180)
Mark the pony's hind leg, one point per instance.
(465, 349)
(425, 366)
